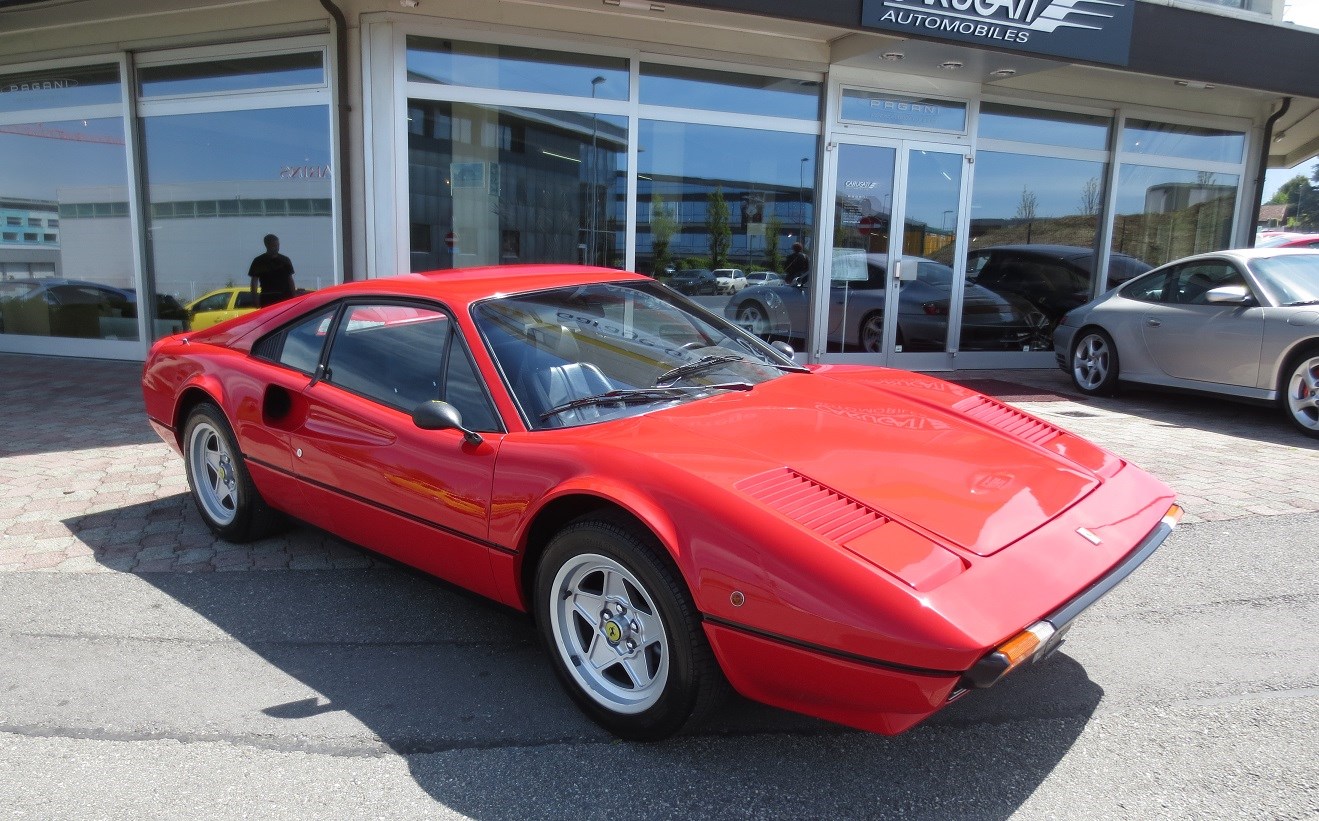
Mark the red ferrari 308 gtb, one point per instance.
(680, 506)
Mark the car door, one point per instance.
(420, 496)
(1190, 338)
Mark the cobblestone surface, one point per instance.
(86, 486)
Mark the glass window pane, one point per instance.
(233, 74)
(79, 280)
(233, 162)
(901, 111)
(1164, 214)
(1030, 125)
(491, 185)
(390, 353)
(711, 197)
(727, 91)
(60, 87)
(516, 68)
(1034, 225)
(1184, 141)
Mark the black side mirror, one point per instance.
(436, 415)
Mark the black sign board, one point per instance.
(1097, 31)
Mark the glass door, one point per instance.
(891, 266)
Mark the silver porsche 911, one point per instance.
(1244, 324)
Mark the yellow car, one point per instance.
(219, 305)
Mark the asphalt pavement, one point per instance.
(149, 670)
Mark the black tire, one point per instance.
(1093, 363)
(221, 486)
(622, 632)
(1299, 391)
(870, 332)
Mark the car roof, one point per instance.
(463, 285)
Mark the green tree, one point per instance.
(1299, 193)
(716, 222)
(773, 259)
(662, 228)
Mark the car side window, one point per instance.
(245, 300)
(402, 355)
(299, 347)
(1193, 282)
(215, 302)
(1147, 289)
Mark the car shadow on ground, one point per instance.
(459, 688)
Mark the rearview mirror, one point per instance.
(1229, 295)
(436, 415)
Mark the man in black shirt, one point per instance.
(274, 272)
(797, 266)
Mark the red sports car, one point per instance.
(678, 505)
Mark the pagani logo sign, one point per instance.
(53, 84)
(1095, 30)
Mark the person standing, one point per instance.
(273, 272)
(797, 266)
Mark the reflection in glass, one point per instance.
(490, 185)
(881, 108)
(1032, 125)
(858, 269)
(232, 74)
(1185, 141)
(1033, 233)
(516, 68)
(66, 260)
(712, 197)
(59, 88)
(727, 91)
(934, 186)
(218, 182)
(1166, 213)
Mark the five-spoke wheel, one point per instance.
(622, 631)
(1301, 400)
(1094, 363)
(225, 495)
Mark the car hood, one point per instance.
(940, 458)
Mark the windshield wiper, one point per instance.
(705, 363)
(1299, 304)
(638, 395)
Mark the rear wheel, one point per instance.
(1094, 363)
(221, 486)
(622, 632)
(1300, 400)
(754, 319)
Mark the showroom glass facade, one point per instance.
(66, 265)
(97, 250)
(164, 170)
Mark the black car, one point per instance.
(1053, 278)
(693, 281)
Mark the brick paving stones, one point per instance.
(86, 486)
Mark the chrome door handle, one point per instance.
(897, 271)
(1152, 322)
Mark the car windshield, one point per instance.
(1292, 279)
(590, 353)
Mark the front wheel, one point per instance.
(1094, 363)
(1301, 398)
(622, 633)
(221, 486)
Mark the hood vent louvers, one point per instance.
(812, 505)
(1009, 420)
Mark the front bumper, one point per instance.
(1049, 631)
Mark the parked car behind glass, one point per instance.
(1054, 278)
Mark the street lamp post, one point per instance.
(801, 196)
(592, 220)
